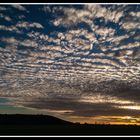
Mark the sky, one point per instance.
(77, 62)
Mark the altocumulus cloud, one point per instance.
(81, 58)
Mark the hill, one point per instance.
(47, 125)
(21, 119)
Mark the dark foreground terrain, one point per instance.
(48, 125)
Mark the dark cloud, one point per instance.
(79, 108)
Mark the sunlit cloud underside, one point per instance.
(80, 62)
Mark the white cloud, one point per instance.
(38, 36)
(135, 14)
(10, 28)
(105, 32)
(99, 11)
(90, 12)
(131, 25)
(29, 43)
(7, 18)
(19, 7)
(15, 42)
(46, 9)
(117, 39)
(21, 17)
(27, 25)
(2, 8)
(128, 46)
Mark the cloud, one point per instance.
(2, 8)
(87, 15)
(90, 60)
(7, 18)
(135, 14)
(82, 108)
(10, 29)
(38, 36)
(46, 9)
(17, 28)
(131, 25)
(27, 25)
(19, 7)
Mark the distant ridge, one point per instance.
(20, 124)
(30, 119)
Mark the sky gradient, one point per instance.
(78, 62)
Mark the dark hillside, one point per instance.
(30, 119)
(47, 125)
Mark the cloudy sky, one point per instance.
(78, 62)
